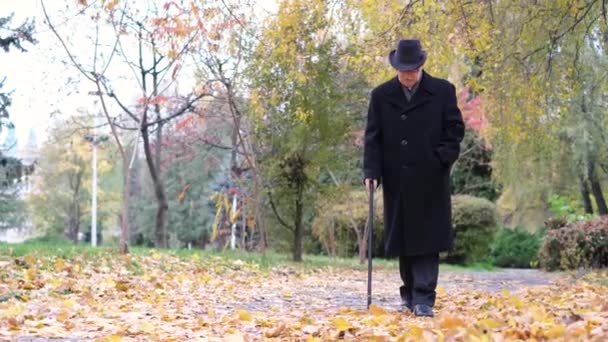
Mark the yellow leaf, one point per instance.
(147, 328)
(287, 294)
(59, 264)
(55, 282)
(415, 332)
(172, 54)
(452, 323)
(440, 291)
(341, 324)
(556, 331)
(110, 5)
(69, 303)
(376, 310)
(14, 311)
(122, 285)
(30, 274)
(440, 336)
(112, 338)
(62, 316)
(276, 332)
(506, 292)
(30, 259)
(244, 315)
(489, 323)
(13, 324)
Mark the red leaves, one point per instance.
(473, 112)
(153, 100)
(182, 123)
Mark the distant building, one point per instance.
(27, 154)
(20, 176)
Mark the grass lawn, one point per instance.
(57, 246)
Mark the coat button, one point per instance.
(403, 142)
(403, 116)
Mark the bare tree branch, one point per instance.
(179, 112)
(276, 213)
(65, 47)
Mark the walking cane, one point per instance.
(369, 243)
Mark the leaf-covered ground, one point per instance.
(108, 297)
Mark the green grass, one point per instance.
(52, 246)
(57, 246)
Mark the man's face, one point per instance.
(409, 78)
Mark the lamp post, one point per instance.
(95, 140)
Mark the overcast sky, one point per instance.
(39, 76)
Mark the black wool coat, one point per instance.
(410, 147)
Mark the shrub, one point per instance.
(472, 174)
(580, 244)
(569, 209)
(337, 216)
(556, 222)
(475, 224)
(516, 248)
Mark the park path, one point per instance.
(236, 300)
(349, 289)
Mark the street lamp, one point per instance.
(95, 140)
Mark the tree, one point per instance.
(12, 38)
(11, 169)
(11, 206)
(194, 152)
(518, 59)
(294, 100)
(163, 37)
(61, 202)
(583, 132)
(225, 61)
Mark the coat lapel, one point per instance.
(423, 95)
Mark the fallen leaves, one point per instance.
(163, 297)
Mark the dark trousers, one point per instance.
(419, 274)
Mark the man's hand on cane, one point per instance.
(368, 181)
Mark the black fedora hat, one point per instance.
(408, 55)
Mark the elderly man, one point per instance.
(412, 138)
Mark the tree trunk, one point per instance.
(155, 170)
(599, 197)
(72, 222)
(76, 222)
(260, 224)
(584, 189)
(299, 229)
(124, 220)
(158, 191)
(362, 247)
(74, 212)
(596, 189)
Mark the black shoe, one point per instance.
(423, 310)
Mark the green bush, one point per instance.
(569, 209)
(580, 244)
(516, 248)
(475, 225)
(472, 174)
(556, 222)
(337, 216)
